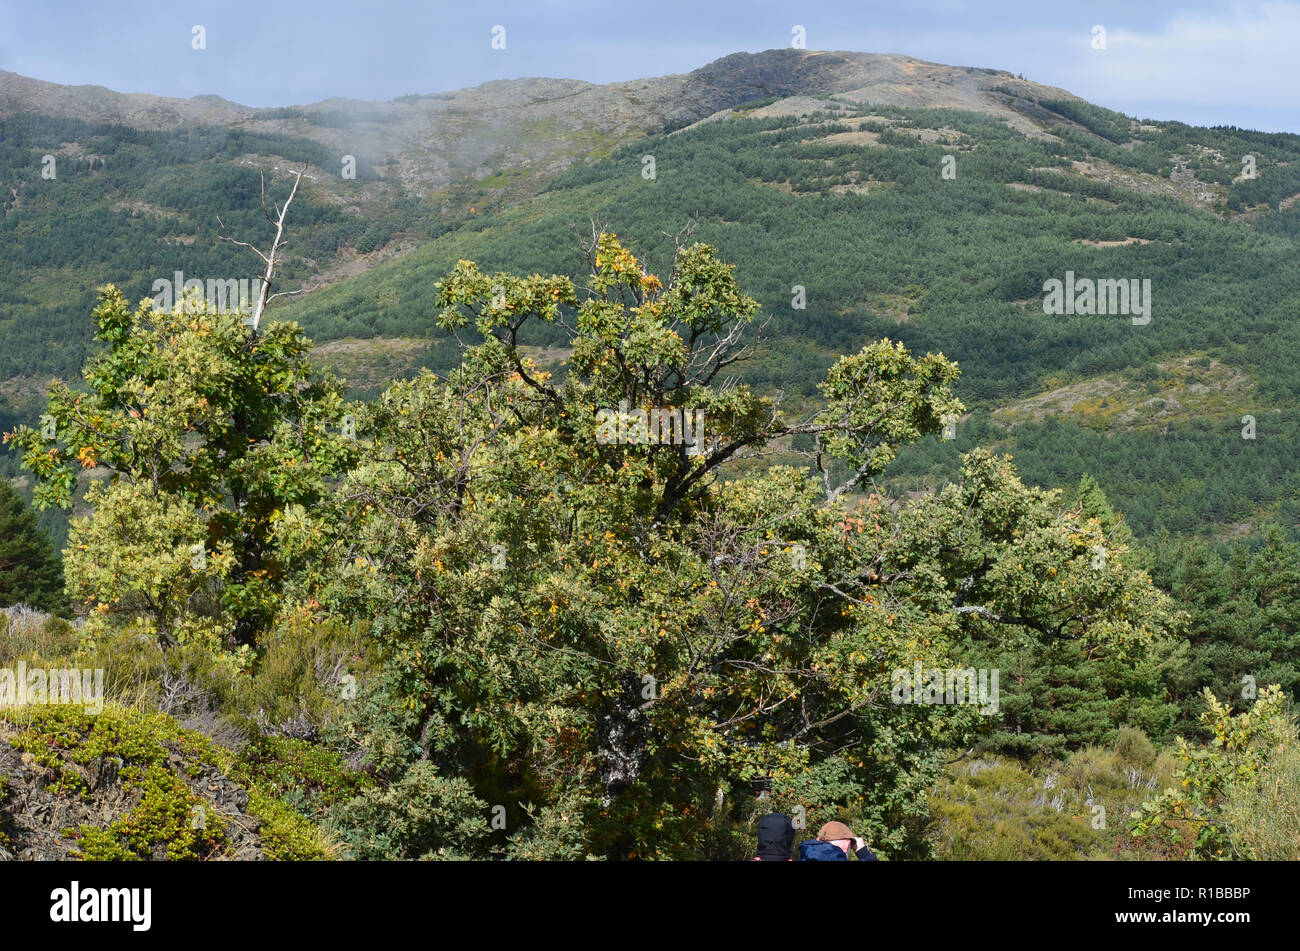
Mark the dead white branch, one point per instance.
(271, 258)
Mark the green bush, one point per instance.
(423, 815)
(292, 688)
(994, 810)
(161, 824)
(1133, 747)
(296, 683)
(999, 810)
(1191, 816)
(310, 777)
(30, 635)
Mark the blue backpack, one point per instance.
(814, 850)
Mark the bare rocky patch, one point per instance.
(1182, 183)
(1179, 390)
(1111, 244)
(860, 139)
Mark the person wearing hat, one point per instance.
(832, 845)
(775, 838)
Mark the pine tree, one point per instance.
(1063, 694)
(30, 573)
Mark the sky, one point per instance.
(1224, 63)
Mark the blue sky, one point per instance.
(1229, 63)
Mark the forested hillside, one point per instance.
(141, 202)
(594, 507)
(849, 204)
(932, 226)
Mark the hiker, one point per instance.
(775, 838)
(832, 845)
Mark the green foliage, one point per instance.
(1103, 122)
(636, 628)
(1244, 620)
(159, 826)
(551, 833)
(159, 822)
(34, 635)
(424, 815)
(30, 572)
(977, 818)
(622, 644)
(298, 677)
(1062, 692)
(208, 429)
(1064, 695)
(993, 809)
(1200, 478)
(161, 770)
(1191, 816)
(307, 776)
(1263, 817)
(1133, 747)
(286, 836)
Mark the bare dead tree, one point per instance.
(270, 258)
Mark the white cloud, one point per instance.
(1244, 55)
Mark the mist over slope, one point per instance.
(541, 125)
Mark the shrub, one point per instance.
(422, 815)
(296, 684)
(31, 635)
(992, 809)
(152, 776)
(1191, 816)
(161, 824)
(1133, 747)
(310, 777)
(996, 809)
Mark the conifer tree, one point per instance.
(30, 572)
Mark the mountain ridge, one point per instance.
(425, 140)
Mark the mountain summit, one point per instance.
(542, 126)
